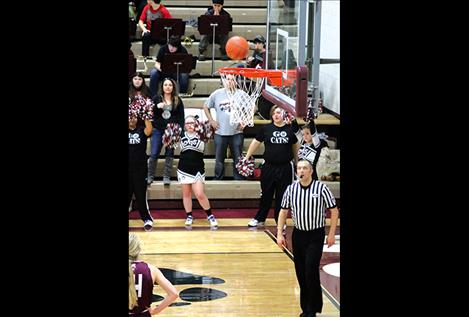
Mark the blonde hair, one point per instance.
(134, 251)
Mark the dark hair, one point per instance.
(174, 94)
(144, 90)
(259, 39)
(218, 2)
(138, 74)
(157, 1)
(175, 41)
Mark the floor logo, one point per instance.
(192, 294)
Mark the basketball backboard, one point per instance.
(295, 35)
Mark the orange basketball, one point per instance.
(237, 47)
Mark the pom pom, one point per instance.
(172, 135)
(313, 112)
(204, 130)
(141, 107)
(287, 117)
(245, 166)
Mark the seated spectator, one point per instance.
(152, 11)
(156, 74)
(215, 9)
(258, 56)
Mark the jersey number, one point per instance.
(139, 284)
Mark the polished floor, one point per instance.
(230, 271)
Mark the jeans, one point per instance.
(157, 144)
(156, 76)
(236, 147)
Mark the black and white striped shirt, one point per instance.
(308, 204)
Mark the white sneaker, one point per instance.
(255, 223)
(149, 180)
(213, 222)
(189, 221)
(148, 224)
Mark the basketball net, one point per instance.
(242, 90)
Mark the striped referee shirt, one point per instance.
(308, 204)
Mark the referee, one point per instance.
(308, 200)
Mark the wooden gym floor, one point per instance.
(231, 271)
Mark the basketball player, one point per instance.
(142, 277)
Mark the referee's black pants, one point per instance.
(307, 252)
(275, 179)
(138, 186)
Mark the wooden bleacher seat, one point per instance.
(203, 68)
(249, 31)
(193, 49)
(203, 86)
(239, 15)
(227, 4)
(220, 189)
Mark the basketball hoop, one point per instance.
(243, 86)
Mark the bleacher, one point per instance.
(249, 20)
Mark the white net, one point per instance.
(242, 93)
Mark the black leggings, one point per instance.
(138, 186)
(274, 180)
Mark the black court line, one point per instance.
(288, 253)
(274, 238)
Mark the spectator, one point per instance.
(174, 46)
(152, 11)
(225, 133)
(215, 9)
(281, 148)
(168, 108)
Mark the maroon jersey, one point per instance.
(143, 285)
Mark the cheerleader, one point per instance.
(191, 172)
(311, 146)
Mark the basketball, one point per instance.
(237, 47)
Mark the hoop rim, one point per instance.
(251, 72)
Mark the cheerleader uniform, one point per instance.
(191, 166)
(311, 152)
